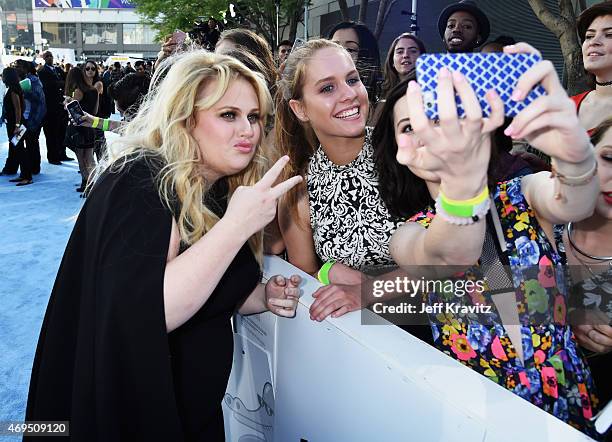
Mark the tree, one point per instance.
(563, 26)
(344, 10)
(167, 15)
(363, 11)
(258, 15)
(384, 7)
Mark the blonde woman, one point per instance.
(136, 343)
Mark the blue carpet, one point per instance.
(35, 224)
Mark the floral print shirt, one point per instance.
(554, 375)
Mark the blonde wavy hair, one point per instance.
(162, 130)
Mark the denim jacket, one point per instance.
(36, 107)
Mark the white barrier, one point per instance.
(338, 380)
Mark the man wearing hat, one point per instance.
(463, 26)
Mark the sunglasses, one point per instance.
(90, 69)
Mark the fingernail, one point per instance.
(509, 131)
(458, 77)
(412, 85)
(517, 95)
(444, 73)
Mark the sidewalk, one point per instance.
(35, 224)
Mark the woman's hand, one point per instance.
(86, 119)
(282, 295)
(597, 338)
(251, 208)
(550, 123)
(458, 150)
(335, 300)
(169, 46)
(592, 330)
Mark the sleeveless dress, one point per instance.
(578, 99)
(105, 361)
(350, 222)
(80, 137)
(554, 376)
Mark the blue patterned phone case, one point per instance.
(484, 72)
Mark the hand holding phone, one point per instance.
(550, 123)
(75, 111)
(498, 71)
(178, 37)
(298, 42)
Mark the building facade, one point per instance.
(17, 23)
(93, 32)
(92, 28)
(512, 18)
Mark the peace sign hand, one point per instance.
(251, 208)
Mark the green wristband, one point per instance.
(105, 124)
(465, 208)
(323, 275)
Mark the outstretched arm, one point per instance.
(551, 125)
(191, 277)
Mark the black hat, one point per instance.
(484, 28)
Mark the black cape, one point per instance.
(104, 360)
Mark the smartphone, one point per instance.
(75, 111)
(497, 71)
(19, 135)
(297, 43)
(179, 37)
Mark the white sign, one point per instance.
(338, 380)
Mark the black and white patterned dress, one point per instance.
(349, 220)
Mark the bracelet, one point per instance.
(464, 208)
(95, 123)
(323, 274)
(105, 124)
(572, 181)
(480, 213)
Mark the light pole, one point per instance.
(306, 20)
(413, 18)
(277, 4)
(1, 40)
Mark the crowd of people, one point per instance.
(43, 90)
(181, 209)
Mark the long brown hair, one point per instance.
(599, 132)
(76, 80)
(256, 45)
(391, 77)
(292, 136)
